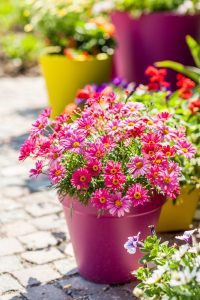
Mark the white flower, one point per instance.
(184, 277)
(157, 274)
(187, 236)
(180, 253)
(138, 292)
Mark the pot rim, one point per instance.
(63, 57)
(156, 13)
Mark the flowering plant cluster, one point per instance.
(69, 28)
(169, 272)
(148, 6)
(115, 153)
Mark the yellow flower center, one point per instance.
(167, 180)
(150, 122)
(115, 181)
(151, 153)
(185, 150)
(82, 178)
(155, 174)
(132, 109)
(113, 171)
(57, 173)
(114, 127)
(76, 144)
(87, 127)
(102, 200)
(95, 168)
(98, 153)
(139, 165)
(118, 203)
(137, 195)
(168, 153)
(131, 124)
(41, 126)
(106, 145)
(165, 131)
(158, 161)
(170, 170)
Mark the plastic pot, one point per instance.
(179, 216)
(64, 76)
(150, 38)
(98, 242)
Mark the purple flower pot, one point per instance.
(98, 242)
(151, 38)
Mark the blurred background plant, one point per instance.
(18, 48)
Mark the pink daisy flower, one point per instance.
(81, 178)
(165, 132)
(113, 127)
(94, 150)
(39, 125)
(38, 169)
(27, 148)
(138, 166)
(112, 168)
(94, 167)
(172, 166)
(153, 173)
(108, 142)
(100, 198)
(118, 205)
(168, 151)
(163, 116)
(115, 182)
(56, 172)
(151, 138)
(86, 122)
(137, 194)
(132, 108)
(74, 143)
(150, 150)
(166, 181)
(55, 153)
(186, 149)
(129, 124)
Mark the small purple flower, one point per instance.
(132, 243)
(187, 236)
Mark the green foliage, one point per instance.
(169, 272)
(24, 47)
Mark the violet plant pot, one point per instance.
(150, 38)
(98, 242)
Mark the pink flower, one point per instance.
(138, 166)
(172, 166)
(94, 167)
(168, 151)
(115, 182)
(112, 168)
(56, 172)
(81, 179)
(27, 148)
(108, 142)
(165, 132)
(38, 169)
(132, 108)
(113, 127)
(47, 112)
(153, 173)
(118, 205)
(85, 122)
(163, 116)
(137, 194)
(100, 198)
(151, 138)
(39, 125)
(74, 143)
(167, 182)
(150, 150)
(186, 149)
(55, 153)
(94, 150)
(129, 124)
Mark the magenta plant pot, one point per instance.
(98, 242)
(150, 38)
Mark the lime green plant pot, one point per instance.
(64, 76)
(178, 216)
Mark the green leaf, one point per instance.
(178, 67)
(194, 48)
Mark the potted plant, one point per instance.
(168, 272)
(102, 161)
(77, 46)
(148, 31)
(182, 105)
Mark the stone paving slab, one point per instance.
(36, 257)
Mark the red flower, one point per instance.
(186, 85)
(157, 78)
(194, 106)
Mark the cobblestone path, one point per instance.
(36, 257)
